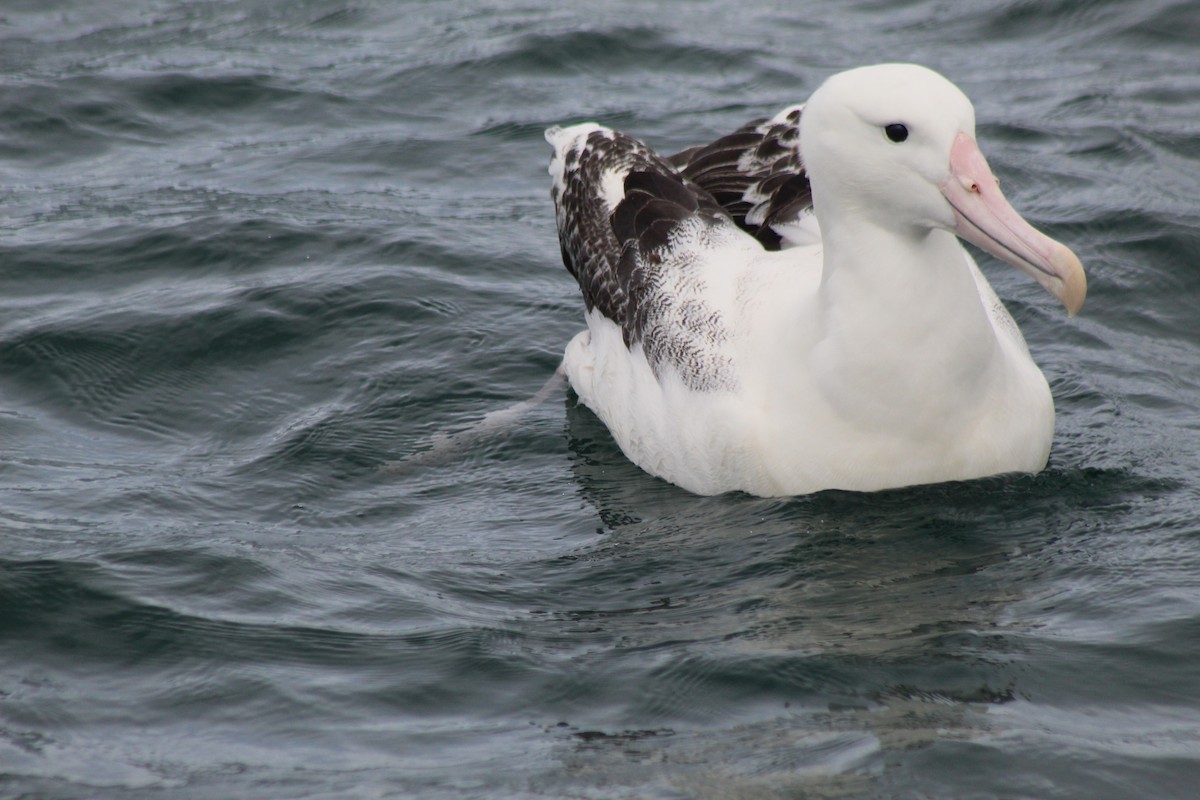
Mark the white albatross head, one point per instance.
(896, 143)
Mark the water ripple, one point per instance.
(253, 251)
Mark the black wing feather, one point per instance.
(756, 173)
(624, 258)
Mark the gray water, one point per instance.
(252, 252)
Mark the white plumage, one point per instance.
(741, 336)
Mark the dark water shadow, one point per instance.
(828, 630)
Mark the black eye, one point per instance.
(896, 132)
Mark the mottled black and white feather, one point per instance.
(630, 227)
(757, 175)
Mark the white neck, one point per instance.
(885, 295)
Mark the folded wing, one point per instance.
(637, 230)
(756, 174)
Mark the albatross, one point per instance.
(790, 309)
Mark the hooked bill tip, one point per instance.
(1073, 280)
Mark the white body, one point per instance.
(828, 399)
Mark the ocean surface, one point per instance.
(254, 252)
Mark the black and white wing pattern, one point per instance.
(756, 174)
(631, 229)
(633, 226)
